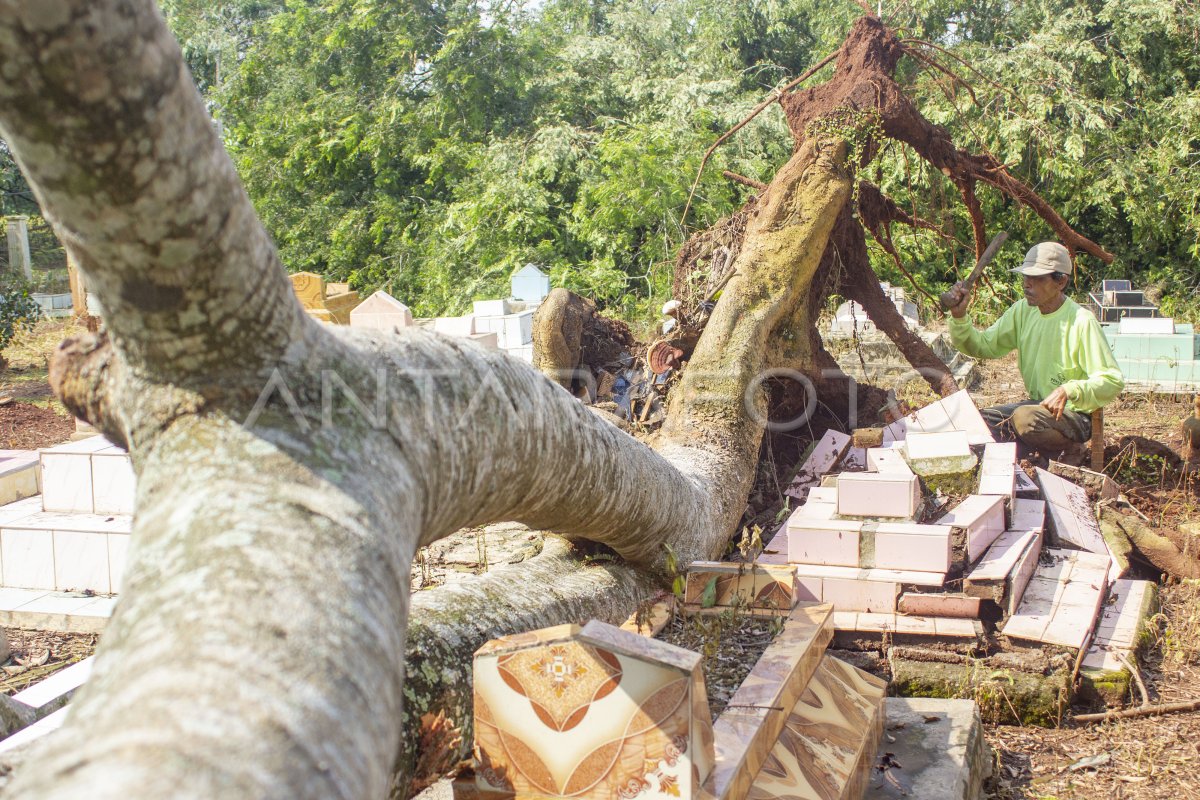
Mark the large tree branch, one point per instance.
(125, 161)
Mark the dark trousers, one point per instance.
(1030, 423)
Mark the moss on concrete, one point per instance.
(1004, 695)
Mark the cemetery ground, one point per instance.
(1152, 757)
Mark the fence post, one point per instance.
(17, 229)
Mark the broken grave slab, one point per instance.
(1123, 631)
(713, 587)
(827, 746)
(936, 751)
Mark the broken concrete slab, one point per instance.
(1072, 521)
(934, 750)
(1124, 630)
(1027, 688)
(943, 453)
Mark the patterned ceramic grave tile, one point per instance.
(827, 748)
(588, 715)
(714, 586)
(750, 724)
(1071, 517)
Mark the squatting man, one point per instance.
(1065, 361)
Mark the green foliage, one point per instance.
(430, 148)
(17, 308)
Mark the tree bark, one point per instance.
(287, 471)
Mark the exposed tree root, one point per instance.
(1158, 550)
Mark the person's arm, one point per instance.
(997, 341)
(1104, 381)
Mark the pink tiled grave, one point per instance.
(954, 413)
(940, 453)
(1027, 515)
(1025, 487)
(1072, 521)
(824, 541)
(1119, 630)
(888, 459)
(715, 586)
(908, 625)
(878, 494)
(910, 546)
(981, 518)
(935, 604)
(565, 712)
(828, 450)
(381, 312)
(1060, 604)
(857, 589)
(1004, 571)
(998, 470)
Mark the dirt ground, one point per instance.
(33, 418)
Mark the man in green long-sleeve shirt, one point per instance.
(1065, 361)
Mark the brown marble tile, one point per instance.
(713, 586)
(747, 729)
(650, 621)
(825, 749)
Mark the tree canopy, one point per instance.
(431, 147)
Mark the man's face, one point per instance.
(1041, 289)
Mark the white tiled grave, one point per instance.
(75, 535)
(70, 612)
(20, 475)
(1005, 570)
(90, 476)
(1062, 600)
(1072, 521)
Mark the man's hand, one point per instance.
(959, 299)
(1056, 403)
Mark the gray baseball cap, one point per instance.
(1046, 258)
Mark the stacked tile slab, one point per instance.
(74, 535)
(602, 712)
(854, 543)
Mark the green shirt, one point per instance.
(1065, 348)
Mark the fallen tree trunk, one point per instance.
(287, 471)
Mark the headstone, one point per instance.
(382, 312)
(590, 713)
(530, 284)
(310, 290)
(17, 229)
